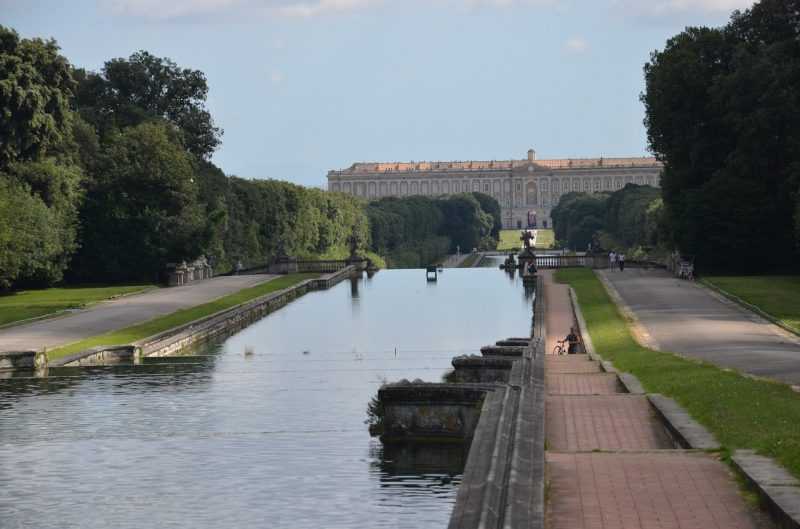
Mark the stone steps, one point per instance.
(613, 459)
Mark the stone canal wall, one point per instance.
(496, 405)
(234, 319)
(431, 412)
(99, 356)
(184, 336)
(22, 360)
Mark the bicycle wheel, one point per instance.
(558, 350)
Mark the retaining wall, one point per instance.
(500, 411)
(222, 323)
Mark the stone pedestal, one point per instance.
(284, 264)
(359, 263)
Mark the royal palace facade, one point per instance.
(527, 189)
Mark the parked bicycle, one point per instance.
(560, 348)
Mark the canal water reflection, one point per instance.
(273, 439)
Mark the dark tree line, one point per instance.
(106, 176)
(723, 114)
(626, 219)
(416, 231)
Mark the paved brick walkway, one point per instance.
(559, 310)
(610, 462)
(656, 490)
(615, 422)
(570, 364)
(572, 384)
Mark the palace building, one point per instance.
(527, 189)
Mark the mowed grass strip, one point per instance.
(27, 304)
(152, 327)
(778, 296)
(741, 412)
(509, 240)
(545, 239)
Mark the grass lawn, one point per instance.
(164, 323)
(740, 411)
(509, 240)
(26, 304)
(778, 296)
(545, 239)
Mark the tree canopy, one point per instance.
(35, 89)
(106, 176)
(627, 218)
(130, 91)
(417, 230)
(723, 113)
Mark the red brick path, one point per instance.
(570, 364)
(616, 422)
(610, 464)
(559, 310)
(572, 384)
(666, 490)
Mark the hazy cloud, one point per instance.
(506, 3)
(321, 7)
(576, 45)
(177, 9)
(159, 9)
(671, 7)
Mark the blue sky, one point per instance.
(303, 86)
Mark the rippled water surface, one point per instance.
(274, 439)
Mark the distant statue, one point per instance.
(526, 238)
(281, 247)
(354, 242)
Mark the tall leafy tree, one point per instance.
(491, 206)
(41, 190)
(723, 113)
(35, 88)
(141, 210)
(130, 91)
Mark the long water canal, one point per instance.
(275, 438)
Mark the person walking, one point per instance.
(621, 260)
(612, 259)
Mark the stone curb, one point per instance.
(748, 306)
(685, 430)
(587, 339)
(777, 488)
(688, 432)
(630, 382)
